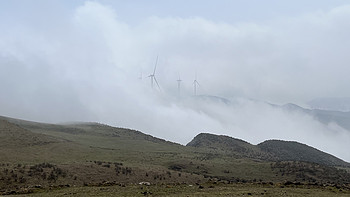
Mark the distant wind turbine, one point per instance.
(195, 83)
(141, 76)
(178, 84)
(153, 75)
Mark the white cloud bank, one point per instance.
(86, 67)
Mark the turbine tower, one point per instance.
(195, 83)
(153, 75)
(178, 84)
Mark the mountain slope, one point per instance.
(219, 141)
(12, 135)
(271, 150)
(228, 145)
(67, 131)
(92, 141)
(295, 151)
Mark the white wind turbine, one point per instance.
(195, 83)
(178, 85)
(153, 75)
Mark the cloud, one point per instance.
(87, 68)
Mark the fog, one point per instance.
(85, 63)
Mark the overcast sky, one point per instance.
(82, 60)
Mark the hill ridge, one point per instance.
(269, 150)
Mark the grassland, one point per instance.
(99, 160)
(207, 189)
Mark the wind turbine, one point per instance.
(178, 84)
(141, 76)
(195, 83)
(153, 76)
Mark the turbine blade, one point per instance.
(155, 66)
(156, 82)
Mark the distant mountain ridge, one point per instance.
(337, 112)
(270, 150)
(213, 99)
(331, 104)
(324, 116)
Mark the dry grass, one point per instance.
(208, 189)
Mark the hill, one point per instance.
(91, 154)
(13, 136)
(294, 151)
(228, 145)
(271, 150)
(83, 154)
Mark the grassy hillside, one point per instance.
(229, 146)
(13, 136)
(271, 150)
(94, 154)
(294, 151)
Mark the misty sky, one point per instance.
(82, 60)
